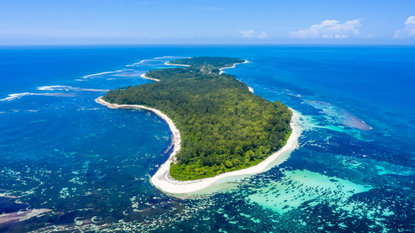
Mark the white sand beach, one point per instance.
(166, 183)
(167, 63)
(176, 134)
(162, 179)
(221, 72)
(221, 69)
(144, 76)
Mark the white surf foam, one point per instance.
(102, 73)
(91, 89)
(20, 95)
(15, 96)
(136, 64)
(67, 88)
(129, 74)
(169, 57)
(55, 88)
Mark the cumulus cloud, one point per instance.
(247, 34)
(329, 29)
(409, 29)
(263, 35)
(410, 21)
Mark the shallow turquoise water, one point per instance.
(90, 166)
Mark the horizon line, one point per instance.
(205, 44)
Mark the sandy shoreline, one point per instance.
(154, 79)
(221, 72)
(164, 182)
(162, 179)
(144, 75)
(167, 63)
(221, 69)
(176, 134)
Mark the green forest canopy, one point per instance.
(223, 126)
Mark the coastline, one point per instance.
(221, 72)
(167, 63)
(234, 64)
(162, 179)
(144, 76)
(176, 134)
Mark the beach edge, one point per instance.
(162, 179)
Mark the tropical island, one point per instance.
(221, 126)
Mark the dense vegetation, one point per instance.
(208, 64)
(223, 126)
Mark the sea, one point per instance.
(68, 164)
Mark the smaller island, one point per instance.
(219, 126)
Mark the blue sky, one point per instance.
(206, 22)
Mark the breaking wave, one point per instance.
(169, 57)
(102, 73)
(67, 88)
(20, 95)
(136, 64)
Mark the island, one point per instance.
(218, 125)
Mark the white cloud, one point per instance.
(409, 29)
(397, 34)
(410, 21)
(263, 35)
(329, 29)
(369, 36)
(247, 34)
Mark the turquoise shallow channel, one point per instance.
(69, 164)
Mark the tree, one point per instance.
(223, 126)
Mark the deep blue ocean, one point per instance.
(69, 164)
